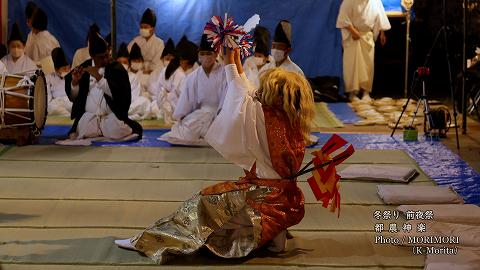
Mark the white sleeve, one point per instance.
(158, 54)
(343, 19)
(233, 133)
(178, 81)
(103, 85)
(48, 79)
(155, 82)
(74, 91)
(187, 99)
(135, 85)
(383, 22)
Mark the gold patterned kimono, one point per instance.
(232, 218)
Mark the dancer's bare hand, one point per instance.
(76, 75)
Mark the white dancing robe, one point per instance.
(40, 45)
(238, 133)
(98, 119)
(369, 18)
(289, 65)
(23, 64)
(253, 72)
(58, 102)
(140, 106)
(151, 50)
(200, 99)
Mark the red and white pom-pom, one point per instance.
(224, 33)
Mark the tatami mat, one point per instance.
(62, 207)
(94, 246)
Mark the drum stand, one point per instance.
(21, 135)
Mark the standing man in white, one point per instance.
(151, 45)
(41, 42)
(361, 22)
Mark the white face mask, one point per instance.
(125, 66)
(136, 66)
(206, 60)
(278, 55)
(16, 52)
(145, 32)
(101, 71)
(258, 60)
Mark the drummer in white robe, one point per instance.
(173, 78)
(282, 47)
(58, 102)
(151, 45)
(139, 106)
(361, 22)
(200, 99)
(261, 60)
(42, 42)
(155, 81)
(101, 96)
(16, 61)
(81, 55)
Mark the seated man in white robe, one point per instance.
(101, 96)
(81, 55)
(42, 43)
(151, 45)
(261, 60)
(282, 47)
(58, 102)
(16, 61)
(139, 106)
(201, 98)
(155, 81)
(141, 98)
(173, 77)
(361, 22)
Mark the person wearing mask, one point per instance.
(173, 77)
(282, 47)
(101, 95)
(16, 61)
(58, 102)
(167, 55)
(137, 66)
(261, 60)
(150, 45)
(361, 22)
(155, 80)
(140, 105)
(201, 98)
